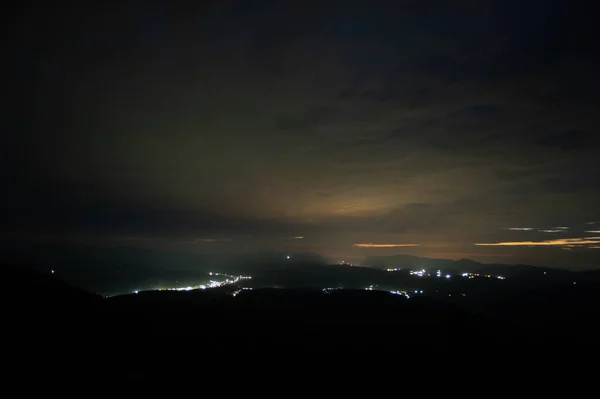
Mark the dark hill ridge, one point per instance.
(263, 317)
(27, 287)
(122, 269)
(459, 266)
(302, 318)
(110, 271)
(37, 306)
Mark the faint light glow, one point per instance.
(593, 231)
(465, 274)
(52, 271)
(551, 231)
(136, 292)
(287, 257)
(501, 278)
(521, 228)
(448, 276)
(574, 282)
(371, 245)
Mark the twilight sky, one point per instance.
(455, 129)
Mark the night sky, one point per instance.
(451, 129)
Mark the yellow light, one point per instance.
(558, 242)
(371, 245)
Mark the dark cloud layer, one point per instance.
(440, 123)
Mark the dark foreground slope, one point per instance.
(55, 333)
(273, 319)
(37, 305)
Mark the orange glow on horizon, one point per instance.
(564, 242)
(466, 255)
(371, 245)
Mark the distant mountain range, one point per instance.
(456, 266)
(115, 270)
(126, 269)
(453, 311)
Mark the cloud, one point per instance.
(211, 240)
(460, 134)
(563, 242)
(512, 174)
(569, 185)
(371, 245)
(135, 238)
(570, 140)
(467, 255)
(307, 119)
(416, 206)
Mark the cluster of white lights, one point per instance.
(212, 284)
(405, 293)
(182, 289)
(418, 273)
(473, 275)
